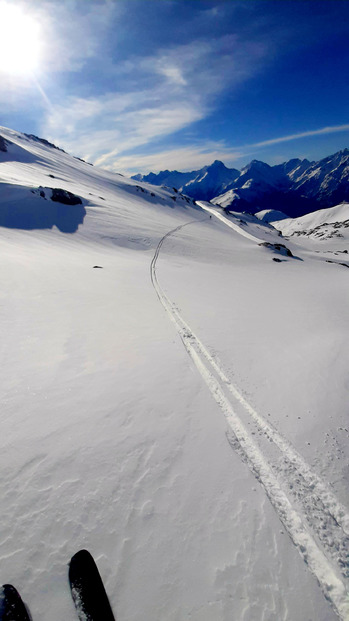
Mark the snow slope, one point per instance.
(270, 215)
(208, 480)
(322, 224)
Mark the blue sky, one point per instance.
(145, 85)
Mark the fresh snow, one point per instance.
(181, 412)
(270, 215)
(331, 218)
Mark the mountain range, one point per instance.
(295, 187)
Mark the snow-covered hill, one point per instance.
(321, 224)
(270, 215)
(174, 399)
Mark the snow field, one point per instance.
(112, 440)
(324, 501)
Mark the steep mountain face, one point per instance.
(293, 168)
(216, 179)
(295, 187)
(326, 181)
(204, 183)
(261, 187)
(258, 174)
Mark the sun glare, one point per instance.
(19, 41)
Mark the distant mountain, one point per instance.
(260, 186)
(327, 181)
(203, 184)
(295, 187)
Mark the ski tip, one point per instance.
(7, 589)
(87, 589)
(82, 556)
(12, 607)
(9, 593)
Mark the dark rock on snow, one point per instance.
(65, 197)
(3, 144)
(280, 248)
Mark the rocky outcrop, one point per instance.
(3, 144)
(43, 141)
(65, 197)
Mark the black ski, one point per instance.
(88, 592)
(12, 608)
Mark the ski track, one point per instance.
(316, 521)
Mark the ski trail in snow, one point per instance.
(330, 502)
(305, 533)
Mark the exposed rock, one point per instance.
(31, 210)
(279, 248)
(337, 263)
(65, 197)
(3, 144)
(43, 141)
(81, 160)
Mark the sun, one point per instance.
(19, 41)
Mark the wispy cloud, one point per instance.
(157, 96)
(298, 136)
(101, 129)
(196, 156)
(128, 84)
(173, 74)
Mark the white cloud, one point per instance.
(315, 132)
(100, 129)
(208, 66)
(158, 95)
(194, 156)
(173, 74)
